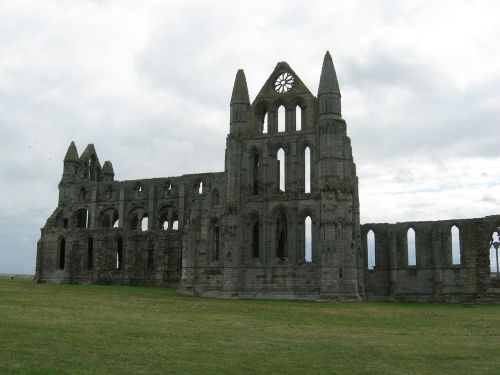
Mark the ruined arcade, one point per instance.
(281, 221)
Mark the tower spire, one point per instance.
(72, 153)
(240, 102)
(240, 89)
(329, 91)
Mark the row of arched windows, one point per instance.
(280, 235)
(257, 172)
(295, 116)
(61, 257)
(411, 249)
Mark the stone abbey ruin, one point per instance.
(281, 221)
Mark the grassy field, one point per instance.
(49, 329)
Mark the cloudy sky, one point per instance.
(149, 84)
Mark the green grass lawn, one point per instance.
(56, 329)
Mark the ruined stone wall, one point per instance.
(434, 277)
(92, 223)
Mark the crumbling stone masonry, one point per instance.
(281, 221)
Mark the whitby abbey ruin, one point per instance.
(281, 221)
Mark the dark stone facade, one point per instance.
(281, 221)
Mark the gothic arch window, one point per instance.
(411, 247)
(138, 219)
(168, 189)
(307, 170)
(255, 168)
(371, 250)
(119, 254)
(144, 222)
(215, 241)
(455, 245)
(83, 194)
(255, 236)
(494, 256)
(139, 191)
(308, 241)
(109, 218)
(298, 118)
(281, 113)
(82, 218)
(281, 236)
(265, 123)
(90, 253)
(62, 253)
(280, 157)
(109, 192)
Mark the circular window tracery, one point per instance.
(283, 83)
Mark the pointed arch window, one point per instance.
(265, 123)
(144, 223)
(307, 170)
(281, 118)
(255, 238)
(298, 118)
(119, 254)
(255, 172)
(370, 244)
(216, 242)
(90, 254)
(455, 245)
(62, 253)
(412, 250)
(280, 156)
(308, 248)
(281, 237)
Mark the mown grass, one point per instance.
(89, 329)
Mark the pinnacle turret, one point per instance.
(72, 153)
(329, 91)
(240, 89)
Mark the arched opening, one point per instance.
(139, 190)
(168, 189)
(90, 254)
(412, 250)
(116, 223)
(255, 172)
(216, 242)
(494, 259)
(298, 118)
(93, 168)
(255, 238)
(281, 237)
(109, 192)
(144, 223)
(281, 118)
(455, 245)
(82, 218)
(62, 253)
(83, 194)
(265, 123)
(308, 239)
(280, 156)
(175, 225)
(165, 224)
(199, 186)
(307, 170)
(119, 253)
(370, 245)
